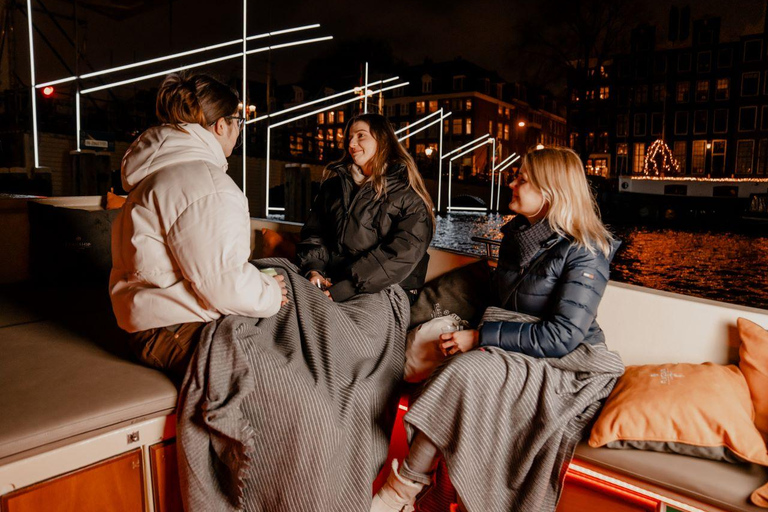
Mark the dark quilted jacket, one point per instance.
(563, 289)
(364, 244)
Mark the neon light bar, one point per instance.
(77, 120)
(467, 208)
(283, 31)
(32, 82)
(505, 160)
(467, 145)
(177, 55)
(365, 91)
(500, 169)
(425, 126)
(276, 209)
(398, 132)
(313, 102)
(345, 102)
(286, 45)
(244, 133)
(478, 146)
(196, 65)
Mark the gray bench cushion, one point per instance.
(723, 485)
(55, 384)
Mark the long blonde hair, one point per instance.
(389, 151)
(559, 174)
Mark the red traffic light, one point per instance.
(48, 91)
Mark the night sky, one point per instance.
(486, 32)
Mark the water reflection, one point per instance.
(729, 267)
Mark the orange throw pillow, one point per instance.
(703, 410)
(114, 201)
(278, 245)
(753, 355)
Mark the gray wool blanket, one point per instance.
(292, 412)
(507, 424)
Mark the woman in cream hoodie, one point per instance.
(181, 243)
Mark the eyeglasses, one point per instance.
(240, 121)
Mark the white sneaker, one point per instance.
(398, 494)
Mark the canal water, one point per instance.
(720, 265)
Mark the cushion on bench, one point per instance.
(58, 384)
(726, 486)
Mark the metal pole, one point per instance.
(440, 162)
(365, 91)
(33, 92)
(244, 135)
(266, 202)
(493, 168)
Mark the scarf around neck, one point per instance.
(522, 240)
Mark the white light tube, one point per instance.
(473, 148)
(467, 145)
(401, 130)
(244, 113)
(329, 107)
(425, 127)
(365, 91)
(33, 93)
(77, 120)
(198, 64)
(314, 102)
(286, 45)
(467, 208)
(177, 55)
(500, 169)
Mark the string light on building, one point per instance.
(659, 160)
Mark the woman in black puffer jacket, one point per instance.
(372, 222)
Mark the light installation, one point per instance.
(659, 160)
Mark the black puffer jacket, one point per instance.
(563, 289)
(364, 244)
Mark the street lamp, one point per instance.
(429, 151)
(521, 124)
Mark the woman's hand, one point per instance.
(317, 279)
(281, 281)
(459, 341)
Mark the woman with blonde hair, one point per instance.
(506, 412)
(372, 222)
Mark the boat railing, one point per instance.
(491, 246)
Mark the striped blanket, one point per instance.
(507, 424)
(292, 412)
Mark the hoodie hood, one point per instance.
(165, 145)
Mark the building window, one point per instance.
(699, 157)
(321, 118)
(340, 138)
(684, 62)
(747, 118)
(499, 110)
(420, 107)
(745, 150)
(702, 90)
(432, 106)
(426, 84)
(764, 119)
(604, 92)
(405, 109)
(753, 50)
(717, 164)
(720, 123)
(445, 126)
(660, 64)
(589, 94)
(762, 156)
(499, 131)
(621, 158)
(490, 126)
(458, 83)
(641, 94)
(468, 104)
(683, 92)
(457, 126)
(506, 132)
(680, 152)
(700, 118)
(499, 90)
(469, 126)
(681, 123)
(704, 62)
(657, 122)
(750, 83)
(723, 85)
(331, 117)
(724, 58)
(622, 125)
(340, 116)
(659, 92)
(638, 157)
(390, 110)
(506, 112)
(639, 125)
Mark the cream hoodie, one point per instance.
(181, 243)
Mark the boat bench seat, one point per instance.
(719, 484)
(60, 384)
